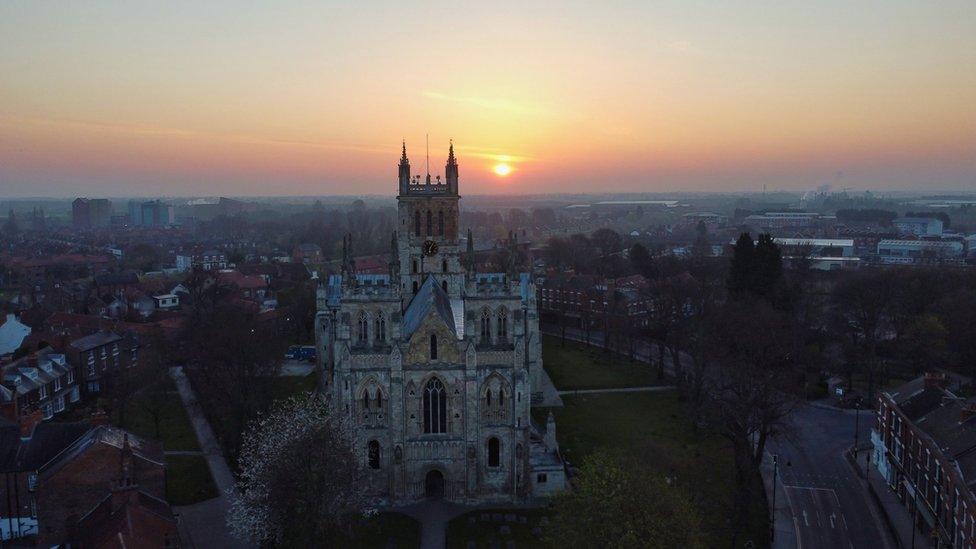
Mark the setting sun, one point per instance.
(502, 169)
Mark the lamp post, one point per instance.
(772, 522)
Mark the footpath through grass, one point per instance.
(573, 365)
(654, 428)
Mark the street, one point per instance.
(829, 504)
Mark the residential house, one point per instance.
(12, 334)
(924, 442)
(42, 381)
(307, 253)
(98, 356)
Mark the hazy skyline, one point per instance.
(308, 98)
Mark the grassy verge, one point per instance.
(654, 428)
(491, 528)
(573, 365)
(188, 480)
(389, 530)
(285, 386)
(174, 430)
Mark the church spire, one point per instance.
(451, 171)
(404, 170)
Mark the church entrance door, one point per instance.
(434, 484)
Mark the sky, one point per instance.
(131, 98)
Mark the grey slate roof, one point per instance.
(95, 340)
(430, 296)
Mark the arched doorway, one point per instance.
(434, 484)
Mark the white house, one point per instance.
(12, 334)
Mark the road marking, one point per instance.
(806, 519)
(833, 517)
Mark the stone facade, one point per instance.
(436, 363)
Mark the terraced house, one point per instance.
(925, 447)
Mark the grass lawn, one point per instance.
(286, 386)
(654, 428)
(388, 530)
(491, 528)
(188, 480)
(175, 430)
(573, 365)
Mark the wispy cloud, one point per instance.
(178, 133)
(487, 103)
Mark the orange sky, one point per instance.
(130, 98)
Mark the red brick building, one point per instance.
(925, 448)
(79, 478)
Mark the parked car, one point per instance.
(301, 352)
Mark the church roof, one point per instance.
(430, 296)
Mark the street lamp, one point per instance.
(772, 522)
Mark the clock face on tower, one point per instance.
(429, 248)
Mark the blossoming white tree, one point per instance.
(299, 476)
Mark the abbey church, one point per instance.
(436, 363)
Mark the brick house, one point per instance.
(925, 447)
(129, 517)
(78, 479)
(43, 381)
(25, 446)
(97, 356)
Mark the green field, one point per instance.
(188, 480)
(175, 429)
(653, 427)
(573, 365)
(286, 386)
(387, 530)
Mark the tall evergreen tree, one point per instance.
(741, 268)
(767, 267)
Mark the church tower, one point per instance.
(427, 229)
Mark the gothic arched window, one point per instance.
(494, 452)
(416, 223)
(415, 269)
(485, 326)
(502, 325)
(380, 332)
(433, 346)
(365, 400)
(435, 407)
(430, 224)
(440, 222)
(379, 400)
(414, 286)
(363, 332)
(488, 397)
(444, 266)
(373, 453)
(444, 286)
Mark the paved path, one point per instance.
(433, 517)
(645, 389)
(204, 524)
(896, 514)
(183, 453)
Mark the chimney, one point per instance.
(98, 418)
(968, 410)
(935, 380)
(28, 422)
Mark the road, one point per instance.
(828, 503)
